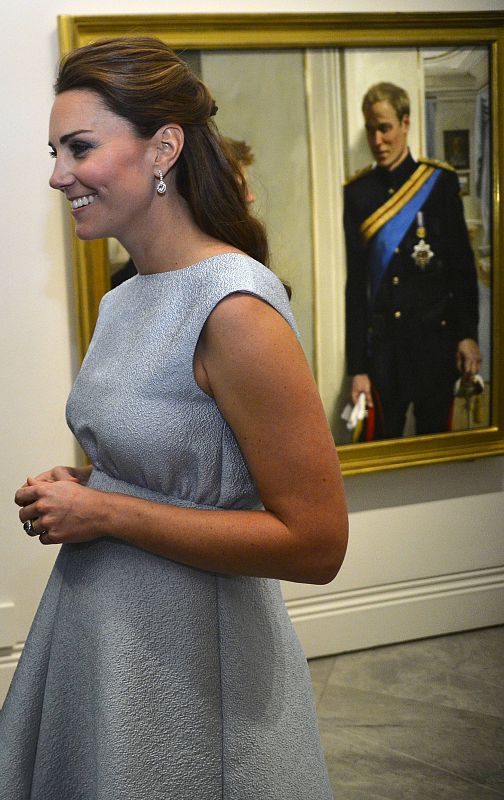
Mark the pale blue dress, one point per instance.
(144, 679)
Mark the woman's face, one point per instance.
(106, 172)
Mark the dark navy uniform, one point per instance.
(406, 338)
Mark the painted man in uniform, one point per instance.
(411, 294)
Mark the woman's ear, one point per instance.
(169, 141)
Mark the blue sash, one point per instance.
(392, 233)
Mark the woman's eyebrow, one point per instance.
(68, 136)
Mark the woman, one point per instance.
(161, 662)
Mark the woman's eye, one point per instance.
(79, 148)
(52, 153)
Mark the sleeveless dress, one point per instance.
(142, 678)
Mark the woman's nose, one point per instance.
(61, 178)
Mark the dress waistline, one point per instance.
(106, 483)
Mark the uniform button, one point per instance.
(396, 280)
(397, 250)
(443, 322)
(397, 314)
(390, 191)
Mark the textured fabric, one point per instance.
(143, 678)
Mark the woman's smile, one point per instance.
(82, 201)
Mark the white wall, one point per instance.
(431, 520)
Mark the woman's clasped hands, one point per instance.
(57, 506)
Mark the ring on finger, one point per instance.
(29, 529)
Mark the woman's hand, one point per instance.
(61, 510)
(76, 474)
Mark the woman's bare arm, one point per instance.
(250, 361)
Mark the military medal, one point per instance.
(422, 252)
(420, 231)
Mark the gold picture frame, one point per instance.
(330, 31)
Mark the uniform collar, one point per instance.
(396, 177)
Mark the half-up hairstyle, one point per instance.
(142, 80)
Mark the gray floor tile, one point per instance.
(464, 672)
(360, 769)
(419, 720)
(461, 742)
(320, 670)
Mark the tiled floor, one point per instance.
(422, 720)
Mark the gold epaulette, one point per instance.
(359, 174)
(433, 162)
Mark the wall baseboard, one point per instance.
(416, 609)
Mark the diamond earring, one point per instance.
(161, 187)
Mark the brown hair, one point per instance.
(142, 80)
(240, 150)
(397, 97)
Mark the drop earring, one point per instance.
(161, 187)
